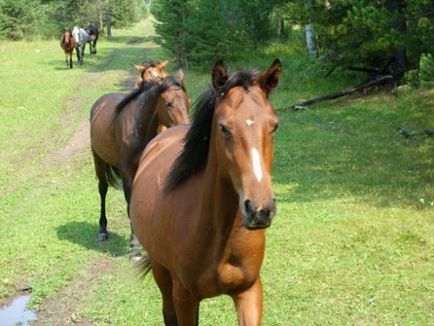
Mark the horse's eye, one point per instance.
(225, 131)
(169, 104)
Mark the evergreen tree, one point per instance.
(173, 18)
(369, 33)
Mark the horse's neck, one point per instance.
(147, 122)
(219, 205)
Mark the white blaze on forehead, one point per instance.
(249, 122)
(256, 164)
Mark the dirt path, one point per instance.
(65, 307)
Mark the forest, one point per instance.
(377, 37)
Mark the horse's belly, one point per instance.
(102, 136)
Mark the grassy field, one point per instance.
(353, 241)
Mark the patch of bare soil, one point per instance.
(78, 141)
(66, 306)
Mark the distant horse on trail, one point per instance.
(92, 31)
(150, 70)
(202, 198)
(67, 42)
(81, 38)
(121, 126)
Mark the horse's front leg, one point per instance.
(249, 305)
(70, 60)
(186, 306)
(77, 50)
(82, 52)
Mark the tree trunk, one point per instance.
(109, 26)
(280, 26)
(400, 65)
(310, 36)
(101, 22)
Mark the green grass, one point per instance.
(352, 242)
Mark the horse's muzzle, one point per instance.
(258, 217)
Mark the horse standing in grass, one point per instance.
(121, 126)
(202, 198)
(81, 38)
(150, 70)
(67, 43)
(93, 32)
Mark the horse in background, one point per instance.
(202, 198)
(92, 31)
(67, 43)
(121, 126)
(81, 38)
(150, 70)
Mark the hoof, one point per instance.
(102, 236)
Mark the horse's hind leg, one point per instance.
(127, 181)
(100, 166)
(164, 282)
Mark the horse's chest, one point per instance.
(234, 278)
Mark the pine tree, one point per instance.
(172, 25)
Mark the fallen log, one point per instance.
(411, 134)
(365, 85)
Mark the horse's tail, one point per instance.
(143, 265)
(113, 176)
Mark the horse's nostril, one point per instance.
(248, 207)
(264, 213)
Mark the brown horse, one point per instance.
(150, 70)
(121, 126)
(67, 43)
(202, 219)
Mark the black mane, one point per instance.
(194, 155)
(146, 87)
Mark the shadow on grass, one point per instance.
(85, 234)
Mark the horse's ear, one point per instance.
(163, 64)
(219, 75)
(270, 78)
(139, 67)
(180, 75)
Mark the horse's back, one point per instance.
(160, 152)
(148, 191)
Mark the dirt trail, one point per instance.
(65, 307)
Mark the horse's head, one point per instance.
(173, 103)
(67, 35)
(243, 130)
(76, 34)
(151, 70)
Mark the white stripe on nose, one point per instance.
(256, 164)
